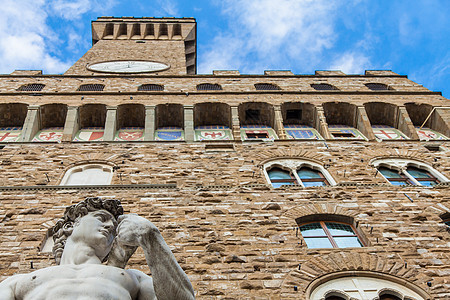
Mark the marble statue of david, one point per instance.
(90, 233)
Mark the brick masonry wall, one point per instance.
(239, 242)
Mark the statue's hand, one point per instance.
(133, 229)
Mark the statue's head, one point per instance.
(92, 207)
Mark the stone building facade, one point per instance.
(274, 186)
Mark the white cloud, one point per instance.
(74, 9)
(276, 32)
(351, 63)
(168, 7)
(28, 41)
(25, 36)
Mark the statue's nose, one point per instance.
(108, 225)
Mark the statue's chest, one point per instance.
(76, 275)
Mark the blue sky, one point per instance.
(407, 36)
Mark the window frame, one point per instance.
(401, 165)
(82, 167)
(293, 179)
(330, 236)
(293, 165)
(321, 179)
(403, 177)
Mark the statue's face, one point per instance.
(97, 229)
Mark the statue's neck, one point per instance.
(77, 253)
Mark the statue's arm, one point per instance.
(7, 288)
(169, 280)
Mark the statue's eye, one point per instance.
(101, 217)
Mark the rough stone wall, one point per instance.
(242, 83)
(233, 234)
(168, 52)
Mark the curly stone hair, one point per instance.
(64, 227)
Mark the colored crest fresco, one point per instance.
(345, 132)
(212, 133)
(301, 132)
(53, 134)
(130, 134)
(89, 134)
(169, 134)
(257, 132)
(385, 132)
(9, 134)
(426, 134)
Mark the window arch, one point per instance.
(209, 87)
(88, 174)
(363, 285)
(408, 172)
(296, 172)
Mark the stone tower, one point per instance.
(168, 41)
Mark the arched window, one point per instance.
(395, 177)
(296, 172)
(389, 296)
(422, 176)
(151, 87)
(329, 235)
(266, 87)
(446, 219)
(323, 87)
(279, 177)
(364, 285)
(88, 174)
(378, 86)
(334, 298)
(32, 87)
(91, 87)
(209, 87)
(408, 172)
(311, 177)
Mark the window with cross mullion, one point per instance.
(395, 177)
(311, 177)
(329, 235)
(279, 177)
(423, 177)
